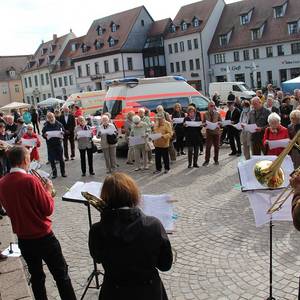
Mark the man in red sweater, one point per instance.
(29, 205)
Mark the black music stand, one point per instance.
(95, 273)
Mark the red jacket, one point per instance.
(34, 155)
(280, 135)
(28, 206)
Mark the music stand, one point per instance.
(250, 184)
(95, 273)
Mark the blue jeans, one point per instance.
(46, 249)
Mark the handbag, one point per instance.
(111, 139)
(94, 147)
(149, 146)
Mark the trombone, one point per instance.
(284, 195)
(42, 180)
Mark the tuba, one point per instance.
(269, 173)
(42, 180)
(96, 202)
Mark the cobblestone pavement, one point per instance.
(220, 252)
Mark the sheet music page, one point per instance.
(260, 203)
(278, 143)
(159, 206)
(178, 120)
(193, 123)
(74, 192)
(246, 171)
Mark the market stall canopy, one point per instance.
(15, 105)
(290, 85)
(50, 102)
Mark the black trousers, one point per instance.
(83, 161)
(179, 142)
(36, 127)
(69, 137)
(164, 154)
(234, 137)
(46, 249)
(193, 153)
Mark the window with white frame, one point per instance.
(106, 67)
(278, 11)
(184, 26)
(236, 56)
(256, 53)
(219, 58)
(172, 67)
(130, 63)
(47, 78)
(293, 27)
(196, 22)
(295, 47)
(111, 42)
(255, 34)
(71, 79)
(181, 46)
(223, 39)
(170, 48)
(244, 19)
(172, 28)
(113, 27)
(269, 51)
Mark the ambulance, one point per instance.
(130, 94)
(90, 102)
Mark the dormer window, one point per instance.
(255, 34)
(98, 44)
(74, 47)
(100, 30)
(113, 27)
(172, 28)
(40, 61)
(111, 42)
(245, 19)
(293, 27)
(196, 22)
(184, 26)
(52, 47)
(12, 73)
(223, 39)
(84, 48)
(278, 11)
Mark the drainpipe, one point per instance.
(203, 66)
(51, 84)
(123, 65)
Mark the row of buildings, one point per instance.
(254, 41)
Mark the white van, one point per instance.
(90, 102)
(239, 89)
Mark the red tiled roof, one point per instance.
(124, 20)
(64, 61)
(40, 59)
(275, 30)
(201, 10)
(17, 62)
(159, 27)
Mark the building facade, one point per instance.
(257, 42)
(154, 51)
(188, 40)
(36, 77)
(112, 48)
(11, 89)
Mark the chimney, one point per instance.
(71, 30)
(54, 37)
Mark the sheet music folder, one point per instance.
(158, 206)
(248, 180)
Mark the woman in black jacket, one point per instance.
(193, 137)
(130, 245)
(178, 128)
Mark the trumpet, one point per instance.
(284, 196)
(42, 180)
(96, 202)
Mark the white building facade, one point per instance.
(91, 74)
(257, 66)
(186, 53)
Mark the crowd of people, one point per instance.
(123, 227)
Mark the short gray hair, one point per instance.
(274, 117)
(295, 114)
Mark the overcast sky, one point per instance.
(25, 23)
